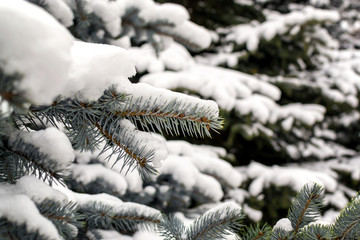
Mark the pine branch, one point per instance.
(171, 228)
(88, 124)
(347, 225)
(128, 147)
(255, 232)
(155, 115)
(216, 223)
(315, 231)
(280, 234)
(127, 217)
(306, 206)
(64, 217)
(23, 158)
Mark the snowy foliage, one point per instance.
(72, 118)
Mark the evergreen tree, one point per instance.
(81, 153)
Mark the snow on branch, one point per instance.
(121, 216)
(45, 154)
(278, 24)
(142, 20)
(19, 217)
(170, 112)
(22, 50)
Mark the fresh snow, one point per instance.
(36, 46)
(283, 223)
(60, 10)
(183, 171)
(35, 189)
(277, 24)
(90, 173)
(21, 210)
(51, 142)
(293, 177)
(88, 78)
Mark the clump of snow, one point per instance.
(146, 235)
(21, 210)
(351, 165)
(206, 160)
(37, 46)
(205, 80)
(196, 36)
(253, 214)
(292, 177)
(88, 173)
(277, 24)
(35, 189)
(239, 195)
(283, 223)
(172, 14)
(183, 171)
(337, 199)
(60, 10)
(51, 142)
(88, 78)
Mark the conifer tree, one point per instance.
(81, 154)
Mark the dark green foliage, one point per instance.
(275, 57)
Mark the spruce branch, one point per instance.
(27, 159)
(255, 232)
(315, 231)
(347, 225)
(89, 123)
(171, 228)
(280, 234)
(172, 117)
(64, 217)
(127, 146)
(306, 206)
(128, 217)
(216, 224)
